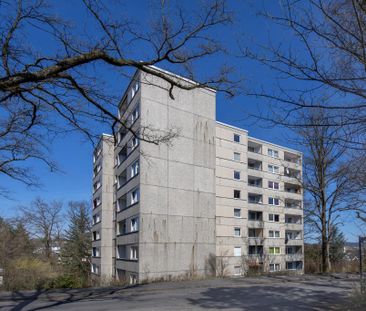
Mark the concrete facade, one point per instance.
(173, 213)
(261, 226)
(103, 211)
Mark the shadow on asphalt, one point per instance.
(50, 299)
(279, 295)
(267, 298)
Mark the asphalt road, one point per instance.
(264, 293)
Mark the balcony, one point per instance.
(293, 237)
(122, 179)
(294, 253)
(293, 222)
(294, 265)
(289, 203)
(254, 181)
(97, 185)
(255, 216)
(122, 203)
(292, 173)
(96, 170)
(255, 252)
(254, 147)
(292, 188)
(255, 198)
(122, 155)
(293, 219)
(292, 158)
(254, 164)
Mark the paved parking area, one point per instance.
(257, 293)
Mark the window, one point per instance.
(273, 267)
(274, 250)
(274, 234)
(121, 203)
(135, 114)
(236, 175)
(134, 142)
(237, 138)
(135, 196)
(273, 153)
(255, 215)
(236, 194)
(134, 88)
(96, 219)
(237, 251)
(134, 253)
(134, 169)
(121, 251)
(134, 224)
(237, 270)
(237, 212)
(97, 185)
(122, 228)
(237, 232)
(273, 185)
(274, 217)
(236, 156)
(96, 235)
(96, 202)
(133, 279)
(95, 252)
(273, 169)
(273, 201)
(95, 268)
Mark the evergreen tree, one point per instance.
(337, 244)
(75, 254)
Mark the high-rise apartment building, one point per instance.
(213, 200)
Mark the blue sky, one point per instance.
(74, 154)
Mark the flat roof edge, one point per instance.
(259, 140)
(181, 77)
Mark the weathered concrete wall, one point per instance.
(177, 230)
(105, 209)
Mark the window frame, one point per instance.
(236, 138)
(237, 194)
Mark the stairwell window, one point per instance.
(237, 175)
(237, 251)
(237, 212)
(274, 251)
(274, 217)
(236, 194)
(237, 138)
(273, 169)
(273, 185)
(237, 156)
(273, 153)
(273, 201)
(237, 232)
(274, 234)
(274, 267)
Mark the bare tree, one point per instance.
(321, 65)
(326, 182)
(43, 221)
(66, 84)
